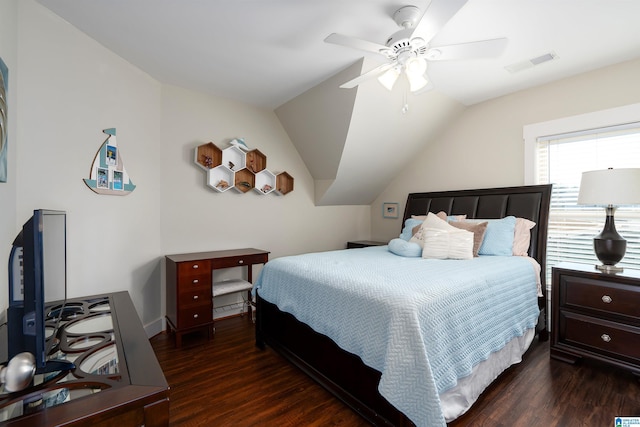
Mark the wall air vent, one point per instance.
(530, 63)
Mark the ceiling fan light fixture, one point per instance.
(417, 82)
(415, 70)
(416, 67)
(388, 79)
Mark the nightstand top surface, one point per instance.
(591, 268)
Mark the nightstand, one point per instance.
(596, 315)
(363, 244)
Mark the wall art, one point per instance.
(240, 168)
(108, 174)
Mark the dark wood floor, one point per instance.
(227, 381)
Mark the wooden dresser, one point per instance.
(190, 281)
(596, 315)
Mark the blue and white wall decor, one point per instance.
(108, 174)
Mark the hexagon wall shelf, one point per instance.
(240, 168)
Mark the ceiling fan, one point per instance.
(408, 50)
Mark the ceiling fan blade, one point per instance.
(436, 16)
(355, 43)
(368, 75)
(472, 50)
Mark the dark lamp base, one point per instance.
(609, 246)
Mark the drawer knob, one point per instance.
(196, 281)
(195, 316)
(241, 261)
(605, 337)
(606, 299)
(195, 266)
(195, 297)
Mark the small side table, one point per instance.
(596, 315)
(363, 244)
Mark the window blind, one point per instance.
(561, 159)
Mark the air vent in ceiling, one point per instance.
(530, 63)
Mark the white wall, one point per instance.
(68, 89)
(484, 147)
(8, 228)
(197, 218)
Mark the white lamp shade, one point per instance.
(610, 187)
(388, 79)
(416, 69)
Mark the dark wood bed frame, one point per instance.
(344, 374)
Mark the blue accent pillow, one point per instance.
(407, 231)
(401, 247)
(498, 239)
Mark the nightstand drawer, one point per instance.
(616, 299)
(615, 339)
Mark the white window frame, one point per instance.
(598, 119)
(573, 124)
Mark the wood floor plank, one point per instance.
(227, 381)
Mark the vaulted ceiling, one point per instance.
(271, 53)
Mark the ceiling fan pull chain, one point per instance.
(405, 103)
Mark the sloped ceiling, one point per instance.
(355, 141)
(272, 54)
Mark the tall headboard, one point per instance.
(530, 202)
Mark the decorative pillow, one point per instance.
(447, 244)
(407, 230)
(498, 239)
(478, 231)
(432, 221)
(522, 236)
(403, 248)
(417, 221)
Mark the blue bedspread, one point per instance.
(422, 323)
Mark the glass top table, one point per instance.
(90, 337)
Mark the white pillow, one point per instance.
(447, 244)
(522, 236)
(431, 221)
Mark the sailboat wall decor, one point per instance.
(108, 175)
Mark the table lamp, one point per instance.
(610, 188)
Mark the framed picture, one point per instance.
(390, 210)
(112, 155)
(118, 180)
(102, 178)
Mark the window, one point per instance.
(558, 152)
(572, 227)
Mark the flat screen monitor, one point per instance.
(37, 276)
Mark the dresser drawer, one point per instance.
(186, 283)
(195, 316)
(611, 338)
(194, 268)
(195, 296)
(236, 261)
(610, 298)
